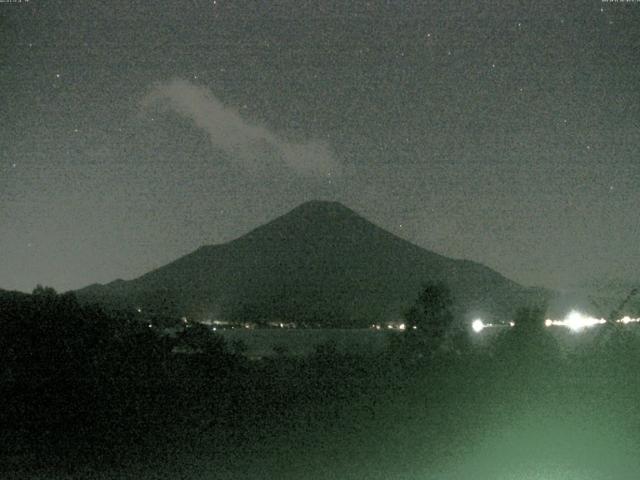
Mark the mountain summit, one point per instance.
(321, 263)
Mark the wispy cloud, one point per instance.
(254, 147)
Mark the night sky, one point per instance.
(134, 132)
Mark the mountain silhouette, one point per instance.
(319, 264)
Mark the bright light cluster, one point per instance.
(575, 321)
(477, 325)
(628, 319)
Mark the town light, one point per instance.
(477, 325)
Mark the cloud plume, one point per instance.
(253, 147)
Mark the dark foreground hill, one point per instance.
(321, 263)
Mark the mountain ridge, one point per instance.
(319, 263)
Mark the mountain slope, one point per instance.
(319, 263)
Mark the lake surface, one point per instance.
(261, 342)
(300, 342)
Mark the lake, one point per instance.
(261, 342)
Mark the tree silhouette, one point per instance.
(529, 344)
(47, 292)
(530, 319)
(431, 314)
(427, 321)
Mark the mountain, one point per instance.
(321, 263)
